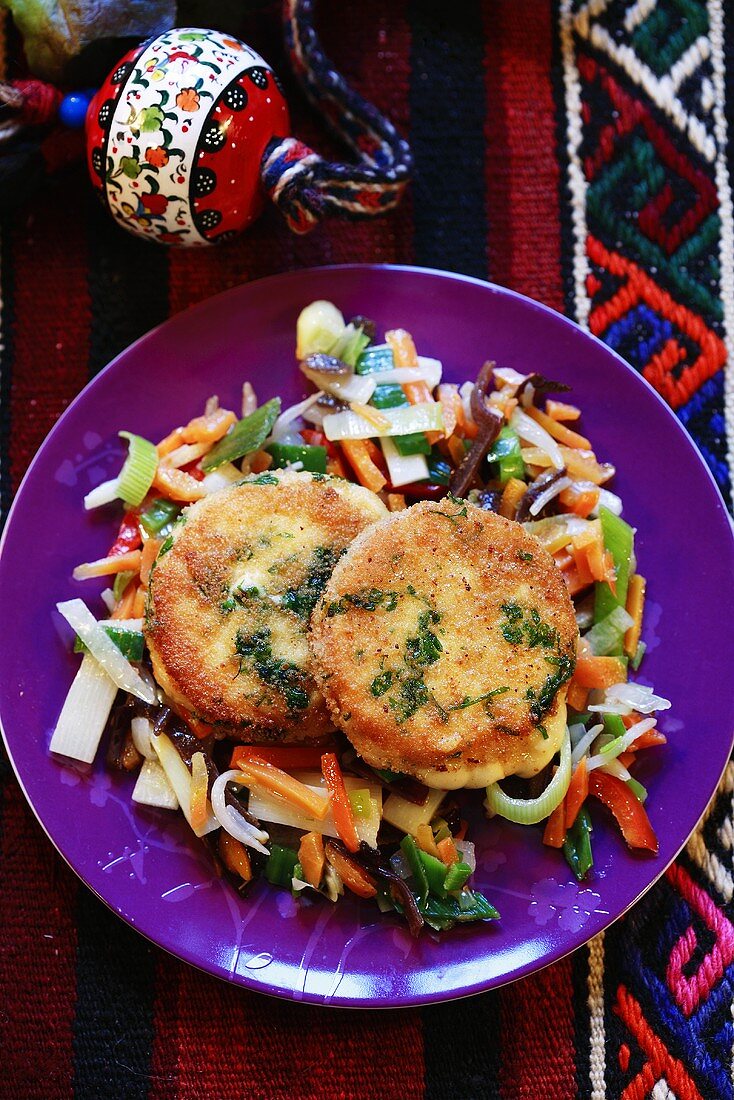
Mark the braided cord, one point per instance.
(304, 185)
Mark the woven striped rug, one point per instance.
(577, 152)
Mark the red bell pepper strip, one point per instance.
(128, 537)
(286, 757)
(577, 791)
(341, 807)
(627, 809)
(555, 829)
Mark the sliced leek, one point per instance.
(179, 777)
(136, 476)
(153, 787)
(104, 650)
(529, 811)
(84, 713)
(425, 417)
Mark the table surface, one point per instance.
(577, 153)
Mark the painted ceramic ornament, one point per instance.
(177, 133)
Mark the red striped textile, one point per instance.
(507, 105)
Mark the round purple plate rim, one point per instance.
(468, 945)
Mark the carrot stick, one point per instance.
(425, 840)
(341, 807)
(512, 494)
(447, 851)
(635, 608)
(312, 858)
(124, 607)
(261, 774)
(577, 793)
(559, 410)
(147, 557)
(199, 790)
(555, 829)
(577, 697)
(351, 874)
(235, 855)
(447, 395)
(559, 431)
(357, 455)
(209, 428)
(599, 672)
(396, 502)
(139, 603)
(177, 484)
(106, 567)
(580, 499)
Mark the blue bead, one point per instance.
(73, 109)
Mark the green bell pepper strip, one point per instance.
(439, 470)
(637, 789)
(577, 845)
(375, 359)
(614, 726)
(130, 643)
(639, 654)
(280, 865)
(619, 539)
(507, 455)
(285, 454)
(444, 913)
(410, 850)
(390, 396)
(159, 517)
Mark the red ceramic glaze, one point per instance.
(176, 134)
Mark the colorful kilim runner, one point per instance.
(577, 152)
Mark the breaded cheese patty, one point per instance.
(443, 642)
(231, 594)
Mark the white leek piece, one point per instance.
(407, 816)
(84, 713)
(528, 811)
(529, 430)
(404, 420)
(103, 494)
(101, 646)
(270, 808)
(403, 469)
(142, 731)
(179, 777)
(347, 387)
(318, 328)
(153, 788)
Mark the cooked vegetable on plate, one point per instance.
(324, 622)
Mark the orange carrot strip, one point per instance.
(396, 502)
(351, 874)
(635, 607)
(582, 465)
(577, 793)
(357, 455)
(105, 567)
(512, 494)
(235, 856)
(580, 499)
(577, 697)
(559, 431)
(139, 603)
(447, 395)
(275, 780)
(403, 350)
(462, 831)
(170, 442)
(559, 410)
(312, 858)
(341, 807)
(555, 829)
(260, 462)
(599, 672)
(177, 484)
(147, 557)
(455, 447)
(209, 428)
(447, 852)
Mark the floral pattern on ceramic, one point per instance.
(176, 134)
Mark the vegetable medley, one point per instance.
(316, 818)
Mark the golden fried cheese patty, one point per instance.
(443, 641)
(231, 594)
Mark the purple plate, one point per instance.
(146, 865)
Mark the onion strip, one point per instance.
(232, 822)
